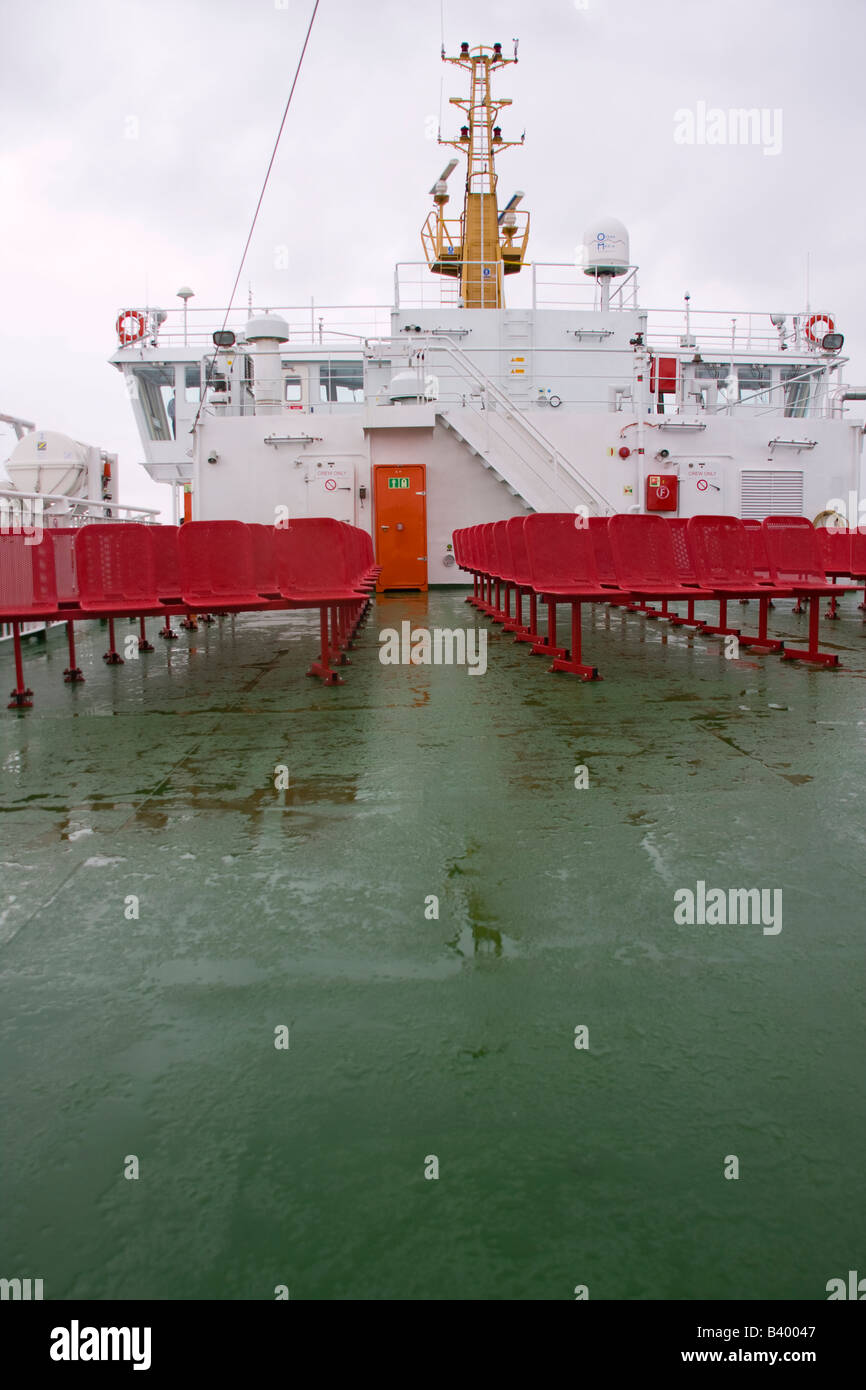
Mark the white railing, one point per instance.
(26, 629)
(719, 332)
(309, 324)
(565, 285)
(28, 509)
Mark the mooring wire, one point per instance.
(258, 207)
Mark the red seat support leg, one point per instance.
(547, 646)
(20, 696)
(571, 662)
(112, 656)
(811, 653)
(72, 675)
(722, 630)
(762, 643)
(143, 644)
(322, 667)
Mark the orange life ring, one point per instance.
(819, 318)
(124, 336)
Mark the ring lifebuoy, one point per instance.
(135, 316)
(810, 324)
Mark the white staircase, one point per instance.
(512, 446)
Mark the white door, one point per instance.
(331, 488)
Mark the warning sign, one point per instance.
(331, 484)
(702, 484)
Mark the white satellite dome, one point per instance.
(48, 462)
(267, 328)
(605, 248)
(408, 386)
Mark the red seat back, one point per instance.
(721, 551)
(517, 548)
(312, 560)
(683, 557)
(475, 548)
(114, 563)
(757, 548)
(502, 549)
(643, 552)
(360, 561)
(488, 553)
(602, 549)
(166, 561)
(858, 552)
(216, 564)
(835, 544)
(262, 539)
(561, 554)
(63, 544)
(457, 544)
(793, 551)
(27, 584)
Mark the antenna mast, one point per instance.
(485, 244)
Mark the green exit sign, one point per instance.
(398, 482)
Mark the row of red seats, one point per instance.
(638, 562)
(129, 570)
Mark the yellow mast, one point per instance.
(485, 244)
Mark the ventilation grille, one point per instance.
(770, 492)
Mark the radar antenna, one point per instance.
(485, 244)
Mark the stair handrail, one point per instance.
(518, 417)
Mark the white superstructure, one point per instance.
(583, 398)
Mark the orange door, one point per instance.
(401, 526)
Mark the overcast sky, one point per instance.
(92, 220)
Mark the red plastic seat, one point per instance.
(115, 570)
(28, 593)
(722, 557)
(522, 577)
(645, 560)
(28, 585)
(562, 565)
(314, 571)
(835, 546)
(857, 536)
(796, 563)
(795, 558)
(312, 563)
(217, 569)
(722, 553)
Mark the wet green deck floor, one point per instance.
(412, 1037)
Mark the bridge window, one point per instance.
(192, 383)
(719, 372)
(342, 382)
(798, 384)
(156, 396)
(754, 381)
